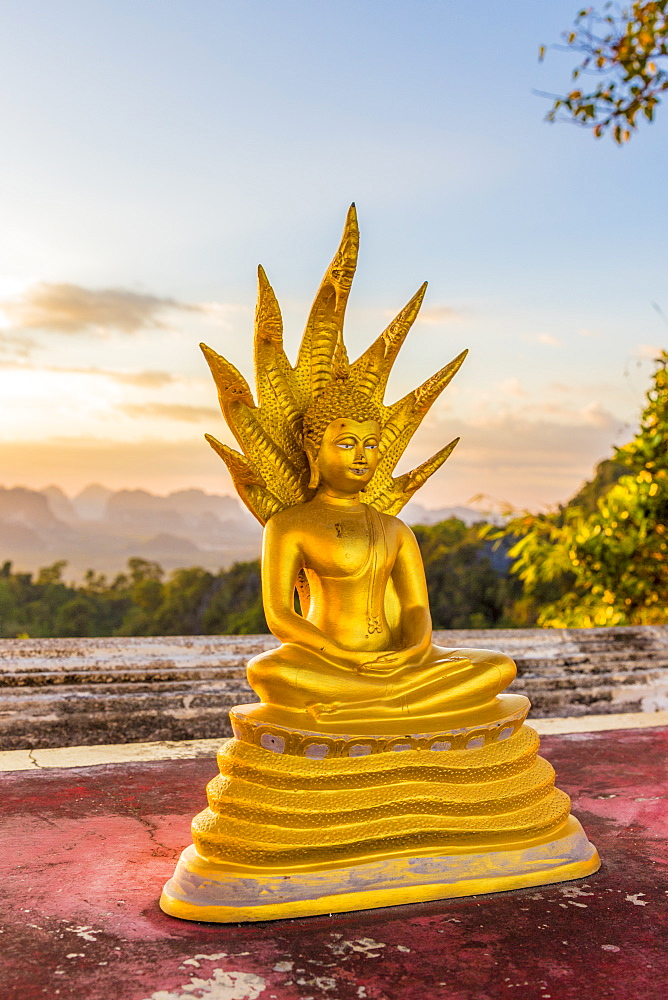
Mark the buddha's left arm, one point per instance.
(411, 587)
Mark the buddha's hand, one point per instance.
(387, 663)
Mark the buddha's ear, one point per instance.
(312, 456)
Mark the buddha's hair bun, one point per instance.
(338, 400)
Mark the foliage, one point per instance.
(607, 565)
(236, 606)
(608, 472)
(466, 589)
(622, 48)
(140, 602)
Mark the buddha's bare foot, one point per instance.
(319, 709)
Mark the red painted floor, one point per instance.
(85, 853)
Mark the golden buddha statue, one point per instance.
(377, 768)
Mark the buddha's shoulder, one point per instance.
(394, 524)
(294, 518)
(285, 519)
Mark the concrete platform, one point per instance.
(86, 850)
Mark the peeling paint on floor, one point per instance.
(86, 851)
(221, 986)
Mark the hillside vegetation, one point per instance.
(600, 559)
(468, 585)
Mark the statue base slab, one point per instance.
(301, 823)
(205, 890)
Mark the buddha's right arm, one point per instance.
(281, 561)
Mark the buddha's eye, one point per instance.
(346, 444)
(371, 445)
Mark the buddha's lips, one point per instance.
(360, 472)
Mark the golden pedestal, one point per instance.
(300, 823)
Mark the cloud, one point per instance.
(648, 352)
(161, 466)
(143, 379)
(225, 314)
(543, 338)
(527, 463)
(435, 315)
(72, 309)
(16, 345)
(556, 412)
(513, 387)
(171, 411)
(593, 334)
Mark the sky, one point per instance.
(155, 152)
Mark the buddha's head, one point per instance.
(289, 436)
(342, 430)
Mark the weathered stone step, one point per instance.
(65, 692)
(46, 679)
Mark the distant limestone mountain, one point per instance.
(61, 506)
(101, 529)
(415, 513)
(91, 503)
(21, 506)
(209, 520)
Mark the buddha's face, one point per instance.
(348, 455)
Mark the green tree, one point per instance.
(51, 574)
(610, 564)
(110, 603)
(30, 608)
(144, 590)
(184, 600)
(140, 602)
(76, 617)
(468, 585)
(235, 607)
(10, 613)
(608, 472)
(465, 588)
(43, 599)
(622, 48)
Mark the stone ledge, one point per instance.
(59, 692)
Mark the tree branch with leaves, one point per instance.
(623, 47)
